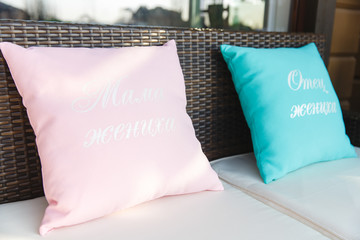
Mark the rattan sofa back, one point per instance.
(212, 101)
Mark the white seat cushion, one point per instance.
(230, 214)
(325, 196)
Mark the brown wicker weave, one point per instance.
(352, 124)
(212, 101)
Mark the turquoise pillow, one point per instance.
(290, 106)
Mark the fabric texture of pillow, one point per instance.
(290, 106)
(111, 128)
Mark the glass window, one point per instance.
(228, 14)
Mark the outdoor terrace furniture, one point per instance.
(239, 211)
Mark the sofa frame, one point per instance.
(212, 102)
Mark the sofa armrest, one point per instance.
(352, 125)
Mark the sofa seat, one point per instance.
(325, 196)
(230, 214)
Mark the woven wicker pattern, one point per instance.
(212, 101)
(352, 124)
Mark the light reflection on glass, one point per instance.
(230, 14)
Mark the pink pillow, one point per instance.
(111, 128)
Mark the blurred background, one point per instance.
(229, 14)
